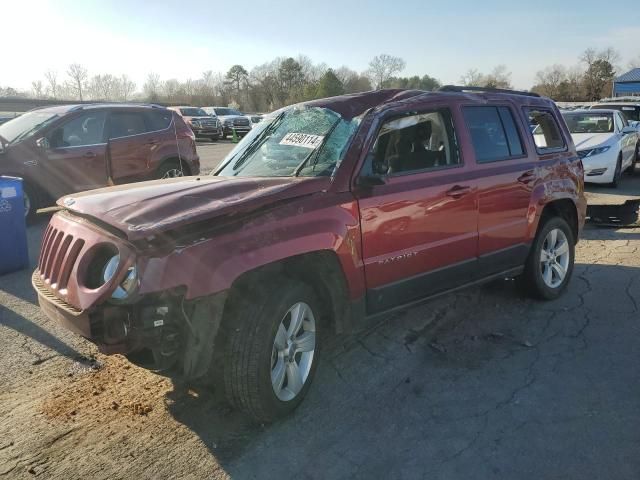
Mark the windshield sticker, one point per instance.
(302, 140)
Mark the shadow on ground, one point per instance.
(479, 384)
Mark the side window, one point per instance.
(493, 133)
(157, 120)
(415, 143)
(87, 129)
(545, 130)
(620, 123)
(125, 124)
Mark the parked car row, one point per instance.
(327, 215)
(607, 136)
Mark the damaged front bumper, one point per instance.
(165, 326)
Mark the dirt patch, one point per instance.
(105, 388)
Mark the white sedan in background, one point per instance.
(606, 143)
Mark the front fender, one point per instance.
(326, 221)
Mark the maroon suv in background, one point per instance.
(327, 215)
(66, 149)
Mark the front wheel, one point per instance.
(31, 202)
(273, 348)
(550, 263)
(617, 174)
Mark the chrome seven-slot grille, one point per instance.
(57, 257)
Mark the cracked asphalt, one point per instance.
(480, 384)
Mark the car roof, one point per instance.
(90, 106)
(594, 110)
(353, 105)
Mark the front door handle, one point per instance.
(458, 191)
(89, 155)
(527, 177)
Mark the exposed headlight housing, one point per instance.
(127, 286)
(592, 151)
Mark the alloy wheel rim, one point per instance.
(554, 258)
(173, 173)
(293, 351)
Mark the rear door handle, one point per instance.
(152, 142)
(527, 177)
(89, 155)
(458, 191)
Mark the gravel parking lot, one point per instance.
(479, 384)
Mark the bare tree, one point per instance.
(126, 87)
(38, 89)
(52, 80)
(383, 67)
(78, 79)
(634, 63)
(473, 78)
(152, 87)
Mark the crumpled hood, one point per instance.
(584, 141)
(148, 208)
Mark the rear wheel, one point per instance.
(550, 263)
(272, 349)
(170, 169)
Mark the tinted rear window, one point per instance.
(631, 112)
(158, 119)
(125, 124)
(493, 133)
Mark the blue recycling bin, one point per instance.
(14, 253)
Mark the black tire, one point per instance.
(214, 138)
(636, 161)
(531, 281)
(169, 166)
(33, 199)
(617, 175)
(252, 326)
(223, 136)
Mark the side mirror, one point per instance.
(628, 130)
(43, 143)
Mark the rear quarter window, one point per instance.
(545, 130)
(158, 120)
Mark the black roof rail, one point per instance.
(462, 88)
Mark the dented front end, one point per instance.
(88, 280)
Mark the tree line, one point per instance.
(589, 80)
(287, 80)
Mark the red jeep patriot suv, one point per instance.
(71, 148)
(328, 214)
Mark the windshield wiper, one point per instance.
(315, 151)
(256, 142)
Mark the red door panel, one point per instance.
(414, 225)
(77, 168)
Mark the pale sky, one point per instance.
(183, 39)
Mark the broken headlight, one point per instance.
(127, 286)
